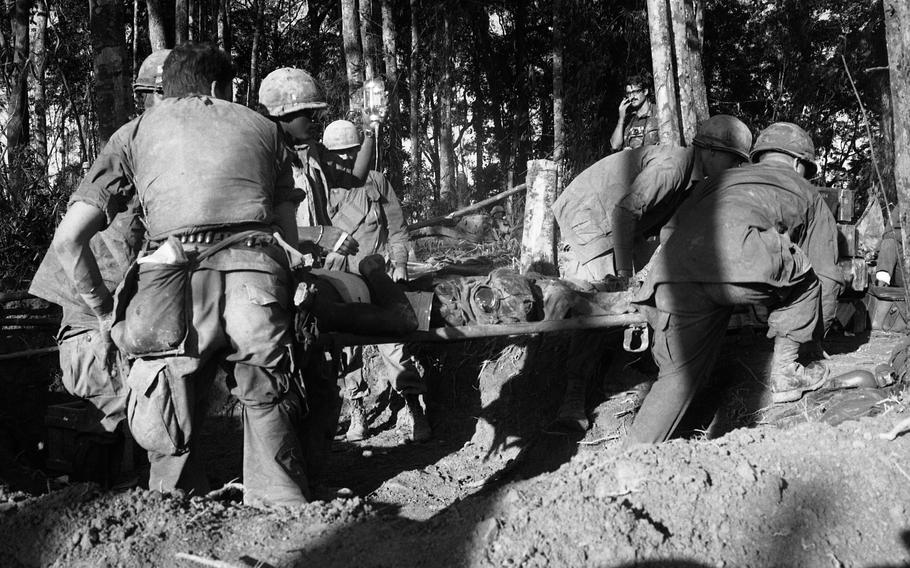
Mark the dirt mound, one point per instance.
(492, 490)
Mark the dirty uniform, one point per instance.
(372, 215)
(199, 164)
(746, 237)
(640, 131)
(90, 372)
(649, 182)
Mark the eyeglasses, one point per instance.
(634, 91)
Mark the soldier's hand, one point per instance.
(624, 106)
(103, 346)
(336, 240)
(400, 273)
(335, 261)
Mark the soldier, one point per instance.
(293, 99)
(637, 123)
(371, 213)
(93, 369)
(215, 183)
(749, 236)
(609, 210)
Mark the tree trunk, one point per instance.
(370, 66)
(157, 25)
(390, 54)
(520, 110)
(252, 87)
(224, 25)
(447, 194)
(690, 80)
(897, 34)
(538, 240)
(353, 53)
(17, 135)
(181, 21)
(112, 92)
(416, 89)
(39, 65)
(664, 73)
(559, 135)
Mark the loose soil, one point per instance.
(747, 486)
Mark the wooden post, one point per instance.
(538, 241)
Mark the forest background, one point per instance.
(475, 88)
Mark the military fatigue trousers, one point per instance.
(240, 320)
(690, 321)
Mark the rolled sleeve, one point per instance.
(109, 184)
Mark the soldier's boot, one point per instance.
(357, 429)
(413, 423)
(274, 472)
(790, 380)
(571, 415)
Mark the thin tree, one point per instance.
(370, 66)
(353, 53)
(17, 132)
(39, 68)
(665, 90)
(445, 93)
(415, 89)
(181, 21)
(559, 135)
(252, 86)
(390, 55)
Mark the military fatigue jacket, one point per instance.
(640, 131)
(195, 163)
(650, 182)
(372, 215)
(758, 224)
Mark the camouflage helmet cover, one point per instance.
(790, 139)
(340, 135)
(288, 90)
(725, 133)
(151, 71)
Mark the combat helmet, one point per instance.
(288, 90)
(340, 135)
(790, 139)
(150, 72)
(725, 133)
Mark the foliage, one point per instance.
(765, 60)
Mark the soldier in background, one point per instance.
(93, 368)
(637, 124)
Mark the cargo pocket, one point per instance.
(151, 410)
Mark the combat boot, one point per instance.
(413, 421)
(571, 416)
(791, 382)
(357, 430)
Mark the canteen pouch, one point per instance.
(150, 305)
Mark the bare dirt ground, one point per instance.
(754, 487)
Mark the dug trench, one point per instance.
(746, 486)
